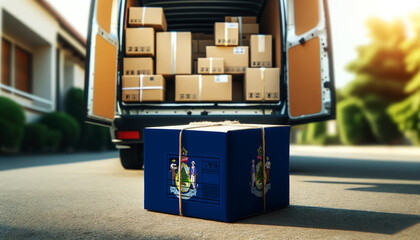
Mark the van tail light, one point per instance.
(128, 135)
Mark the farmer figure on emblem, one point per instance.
(253, 172)
(193, 174)
(174, 170)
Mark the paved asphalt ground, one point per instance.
(345, 193)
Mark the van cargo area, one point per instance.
(199, 18)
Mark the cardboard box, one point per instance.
(138, 66)
(235, 58)
(143, 88)
(196, 36)
(194, 46)
(241, 19)
(196, 56)
(210, 66)
(246, 32)
(245, 40)
(206, 36)
(226, 34)
(202, 44)
(261, 51)
(250, 28)
(147, 17)
(221, 171)
(262, 84)
(247, 26)
(140, 42)
(203, 88)
(173, 54)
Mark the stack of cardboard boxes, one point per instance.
(262, 82)
(236, 48)
(139, 82)
(204, 86)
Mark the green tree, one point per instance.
(184, 176)
(406, 113)
(259, 174)
(381, 75)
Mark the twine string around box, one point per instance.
(195, 125)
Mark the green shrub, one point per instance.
(301, 136)
(316, 132)
(331, 140)
(94, 137)
(381, 125)
(12, 123)
(352, 123)
(406, 114)
(74, 104)
(53, 140)
(66, 125)
(35, 137)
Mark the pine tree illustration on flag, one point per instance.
(184, 177)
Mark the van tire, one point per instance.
(132, 158)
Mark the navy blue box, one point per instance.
(221, 170)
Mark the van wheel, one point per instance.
(132, 158)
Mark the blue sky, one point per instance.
(347, 16)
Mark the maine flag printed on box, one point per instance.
(226, 172)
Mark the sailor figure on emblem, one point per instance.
(267, 169)
(253, 172)
(174, 169)
(193, 174)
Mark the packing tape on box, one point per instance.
(194, 125)
(262, 83)
(240, 30)
(261, 43)
(226, 34)
(211, 65)
(200, 86)
(141, 88)
(173, 52)
(227, 26)
(143, 16)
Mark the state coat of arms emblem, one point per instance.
(257, 168)
(189, 174)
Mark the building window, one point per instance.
(6, 59)
(23, 73)
(18, 61)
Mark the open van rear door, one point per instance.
(309, 77)
(101, 66)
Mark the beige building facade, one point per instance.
(42, 56)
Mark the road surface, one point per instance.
(334, 194)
